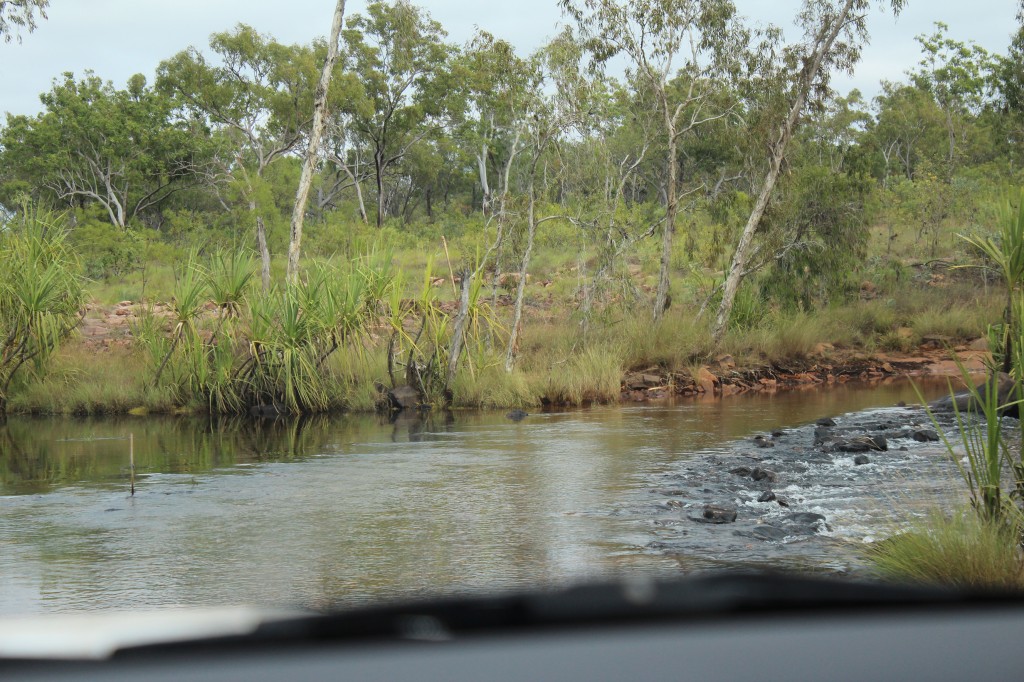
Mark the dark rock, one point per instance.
(783, 502)
(766, 496)
(901, 404)
(763, 442)
(517, 415)
(852, 445)
(964, 401)
(822, 434)
(272, 410)
(826, 421)
(740, 471)
(903, 448)
(778, 434)
(804, 518)
(862, 444)
(926, 436)
(759, 474)
(861, 459)
(402, 397)
(769, 533)
(715, 514)
(878, 442)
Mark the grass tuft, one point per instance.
(962, 550)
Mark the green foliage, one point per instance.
(40, 294)
(959, 550)
(106, 251)
(17, 14)
(821, 230)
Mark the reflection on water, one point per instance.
(323, 511)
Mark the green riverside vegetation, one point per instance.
(495, 229)
(981, 545)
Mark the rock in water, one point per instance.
(517, 415)
(926, 436)
(403, 397)
(826, 421)
(964, 401)
(861, 459)
(715, 514)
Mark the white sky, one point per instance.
(117, 38)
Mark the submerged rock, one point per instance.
(770, 533)
(517, 415)
(759, 474)
(805, 518)
(862, 444)
(861, 459)
(715, 514)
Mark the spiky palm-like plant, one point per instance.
(41, 295)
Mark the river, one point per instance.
(344, 510)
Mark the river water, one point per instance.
(338, 511)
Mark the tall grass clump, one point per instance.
(673, 342)
(592, 375)
(961, 549)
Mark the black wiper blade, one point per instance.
(617, 603)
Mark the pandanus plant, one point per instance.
(41, 294)
(1005, 252)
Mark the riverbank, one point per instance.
(826, 366)
(105, 369)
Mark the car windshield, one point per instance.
(325, 306)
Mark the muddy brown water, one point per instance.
(344, 510)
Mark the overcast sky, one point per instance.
(117, 38)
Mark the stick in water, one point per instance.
(131, 460)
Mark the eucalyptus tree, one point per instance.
(500, 85)
(609, 134)
(313, 147)
(908, 128)
(702, 40)
(402, 59)
(18, 14)
(258, 94)
(122, 149)
(347, 164)
(834, 33)
(958, 77)
(837, 128)
(547, 117)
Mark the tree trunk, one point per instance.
(513, 338)
(378, 165)
(261, 243)
(661, 299)
(319, 117)
(481, 165)
(459, 332)
(738, 267)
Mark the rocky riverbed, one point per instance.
(805, 497)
